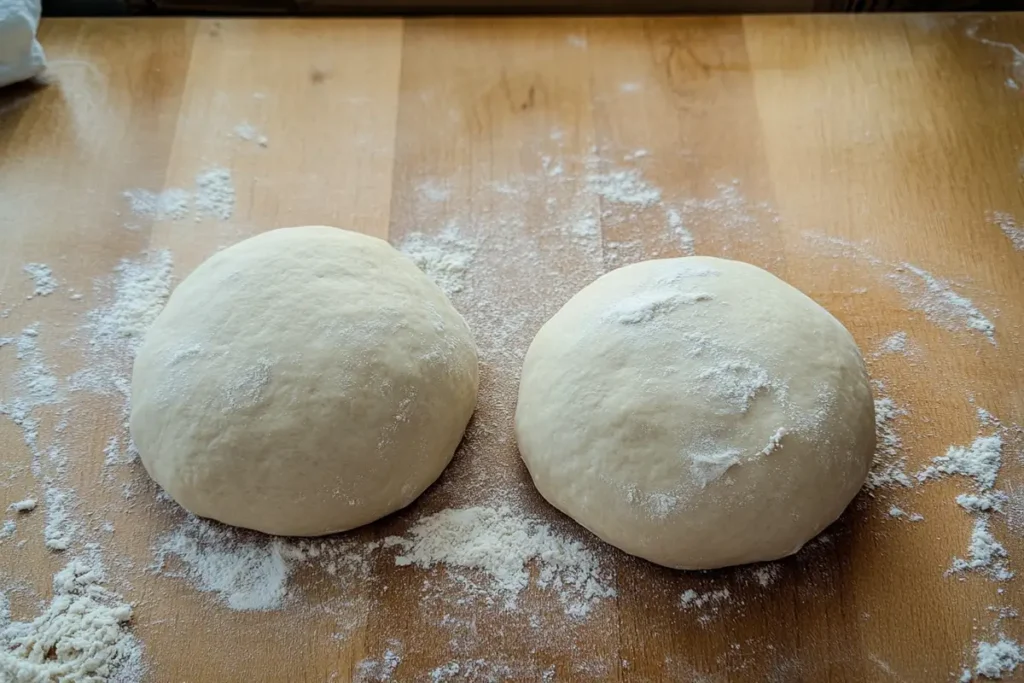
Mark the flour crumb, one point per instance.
(998, 658)
(82, 635)
(980, 461)
(215, 194)
(248, 132)
(27, 505)
(910, 516)
(1010, 227)
(445, 258)
(502, 544)
(985, 554)
(43, 281)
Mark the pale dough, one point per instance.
(697, 412)
(301, 382)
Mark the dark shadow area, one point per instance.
(67, 8)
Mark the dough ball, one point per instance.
(301, 382)
(697, 412)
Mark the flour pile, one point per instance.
(82, 635)
(995, 659)
(42, 278)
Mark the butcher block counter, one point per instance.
(874, 162)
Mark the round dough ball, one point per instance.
(302, 382)
(697, 412)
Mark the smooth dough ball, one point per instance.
(301, 382)
(697, 412)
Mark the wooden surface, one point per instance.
(898, 131)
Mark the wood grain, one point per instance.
(898, 132)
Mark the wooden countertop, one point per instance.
(833, 150)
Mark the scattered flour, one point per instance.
(434, 191)
(249, 571)
(998, 658)
(1017, 64)
(985, 554)
(986, 418)
(624, 187)
(445, 258)
(82, 635)
(173, 204)
(980, 461)
(921, 290)
(937, 299)
(42, 278)
(249, 132)
(678, 228)
(887, 469)
(215, 194)
(727, 209)
(140, 289)
(896, 343)
(1014, 509)
(691, 598)
(1010, 227)
(502, 544)
(245, 575)
(382, 669)
(766, 575)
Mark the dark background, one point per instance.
(371, 7)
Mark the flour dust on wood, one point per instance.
(213, 196)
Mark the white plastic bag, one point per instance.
(21, 55)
